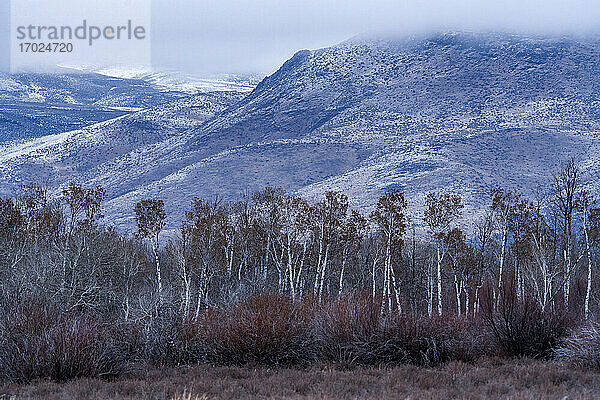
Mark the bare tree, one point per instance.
(351, 239)
(462, 265)
(586, 205)
(292, 241)
(267, 216)
(484, 229)
(566, 187)
(204, 225)
(390, 221)
(510, 214)
(543, 274)
(442, 210)
(150, 218)
(328, 218)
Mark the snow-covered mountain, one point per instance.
(457, 112)
(110, 147)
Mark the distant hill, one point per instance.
(34, 105)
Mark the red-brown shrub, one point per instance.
(267, 329)
(521, 327)
(353, 330)
(342, 327)
(37, 341)
(426, 341)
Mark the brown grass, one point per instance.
(491, 379)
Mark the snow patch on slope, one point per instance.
(186, 83)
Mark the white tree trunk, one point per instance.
(568, 271)
(341, 286)
(458, 292)
(502, 256)
(322, 278)
(397, 295)
(290, 269)
(476, 302)
(387, 270)
(439, 282)
(588, 288)
(373, 278)
(158, 273)
(467, 305)
(319, 261)
(430, 288)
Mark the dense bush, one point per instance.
(431, 341)
(40, 341)
(168, 338)
(344, 326)
(37, 341)
(353, 330)
(267, 329)
(582, 347)
(521, 327)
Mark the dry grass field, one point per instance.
(491, 379)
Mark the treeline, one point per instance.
(536, 255)
(547, 248)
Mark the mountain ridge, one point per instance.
(461, 112)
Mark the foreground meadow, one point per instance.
(490, 379)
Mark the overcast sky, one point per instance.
(234, 36)
(258, 35)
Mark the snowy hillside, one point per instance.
(186, 83)
(453, 111)
(34, 105)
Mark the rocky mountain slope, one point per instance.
(454, 111)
